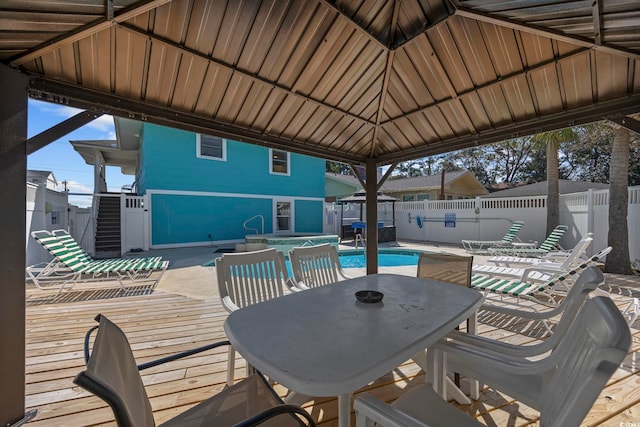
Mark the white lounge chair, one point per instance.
(248, 278)
(481, 246)
(562, 387)
(541, 270)
(314, 266)
(551, 256)
(541, 292)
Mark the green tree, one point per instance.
(618, 260)
(337, 167)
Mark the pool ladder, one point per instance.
(244, 225)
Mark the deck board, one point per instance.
(159, 323)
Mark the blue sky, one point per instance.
(59, 156)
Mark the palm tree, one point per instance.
(618, 260)
(552, 140)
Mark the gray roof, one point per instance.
(540, 188)
(420, 182)
(404, 184)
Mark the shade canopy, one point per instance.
(343, 80)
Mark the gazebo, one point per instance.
(368, 83)
(386, 233)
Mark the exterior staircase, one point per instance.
(107, 244)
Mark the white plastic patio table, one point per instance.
(323, 342)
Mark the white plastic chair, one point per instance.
(113, 376)
(562, 386)
(248, 278)
(456, 270)
(314, 266)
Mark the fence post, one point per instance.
(590, 216)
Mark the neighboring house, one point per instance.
(203, 189)
(338, 186)
(457, 185)
(46, 209)
(540, 188)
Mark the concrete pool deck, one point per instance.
(188, 276)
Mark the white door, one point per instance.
(283, 216)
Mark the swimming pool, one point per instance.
(386, 258)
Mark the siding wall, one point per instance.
(198, 201)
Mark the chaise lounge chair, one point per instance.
(549, 244)
(481, 246)
(541, 292)
(71, 265)
(552, 256)
(541, 270)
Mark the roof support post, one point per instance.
(371, 190)
(13, 175)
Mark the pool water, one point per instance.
(384, 260)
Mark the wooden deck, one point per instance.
(159, 323)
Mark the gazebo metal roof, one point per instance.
(361, 81)
(343, 80)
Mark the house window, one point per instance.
(421, 197)
(279, 162)
(409, 198)
(211, 147)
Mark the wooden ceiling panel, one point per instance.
(130, 63)
(357, 92)
(186, 94)
(610, 70)
(235, 96)
(447, 53)
(431, 70)
(495, 104)
(476, 111)
(502, 47)
(472, 47)
(212, 90)
(518, 96)
(547, 94)
(576, 80)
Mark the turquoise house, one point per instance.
(204, 188)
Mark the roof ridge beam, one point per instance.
(89, 29)
(387, 75)
(544, 32)
(244, 73)
(362, 30)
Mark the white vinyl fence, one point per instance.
(451, 221)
